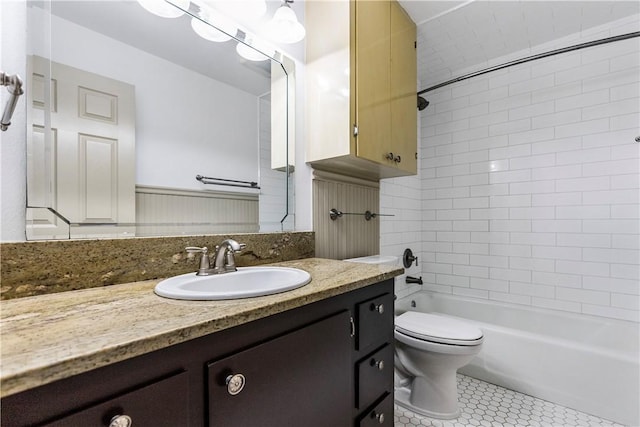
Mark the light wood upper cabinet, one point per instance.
(361, 88)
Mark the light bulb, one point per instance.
(165, 9)
(284, 26)
(219, 29)
(254, 50)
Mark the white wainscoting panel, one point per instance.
(172, 212)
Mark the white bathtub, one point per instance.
(587, 363)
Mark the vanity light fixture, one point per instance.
(240, 10)
(284, 26)
(221, 30)
(261, 52)
(164, 8)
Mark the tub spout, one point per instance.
(410, 279)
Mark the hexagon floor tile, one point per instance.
(488, 405)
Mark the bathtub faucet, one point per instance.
(410, 279)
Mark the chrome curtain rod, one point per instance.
(227, 182)
(533, 58)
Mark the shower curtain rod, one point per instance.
(532, 58)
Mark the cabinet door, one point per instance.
(373, 109)
(404, 121)
(299, 379)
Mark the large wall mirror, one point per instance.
(142, 125)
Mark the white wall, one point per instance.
(12, 142)
(530, 182)
(186, 123)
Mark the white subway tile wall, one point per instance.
(528, 187)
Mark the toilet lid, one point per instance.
(438, 328)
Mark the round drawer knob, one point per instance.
(380, 364)
(235, 384)
(380, 418)
(121, 421)
(377, 307)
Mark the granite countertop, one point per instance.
(50, 337)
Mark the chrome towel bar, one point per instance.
(228, 182)
(335, 214)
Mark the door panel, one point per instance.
(404, 127)
(95, 121)
(285, 380)
(373, 79)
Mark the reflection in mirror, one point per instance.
(126, 108)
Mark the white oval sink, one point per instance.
(245, 283)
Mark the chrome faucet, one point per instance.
(223, 260)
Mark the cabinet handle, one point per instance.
(353, 327)
(235, 384)
(121, 421)
(380, 417)
(379, 308)
(389, 156)
(397, 159)
(379, 364)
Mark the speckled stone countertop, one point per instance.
(49, 337)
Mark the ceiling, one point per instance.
(458, 37)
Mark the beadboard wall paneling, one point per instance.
(170, 212)
(351, 235)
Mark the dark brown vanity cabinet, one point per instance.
(326, 364)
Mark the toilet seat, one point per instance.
(438, 329)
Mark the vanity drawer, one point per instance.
(374, 376)
(380, 415)
(162, 403)
(375, 321)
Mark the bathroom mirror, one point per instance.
(140, 125)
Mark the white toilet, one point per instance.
(430, 348)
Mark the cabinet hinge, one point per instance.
(415, 45)
(355, 130)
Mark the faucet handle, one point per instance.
(204, 261)
(196, 250)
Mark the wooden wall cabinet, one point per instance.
(329, 363)
(361, 88)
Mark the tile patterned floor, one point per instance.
(487, 405)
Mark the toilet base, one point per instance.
(402, 397)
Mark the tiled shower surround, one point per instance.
(528, 187)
